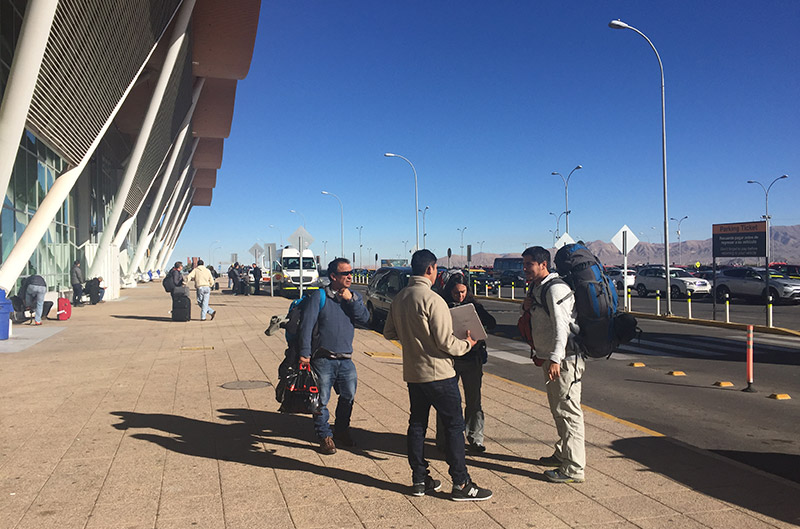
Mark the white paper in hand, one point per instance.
(465, 318)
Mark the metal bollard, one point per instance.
(658, 303)
(689, 302)
(629, 299)
(474, 288)
(727, 308)
(769, 311)
(486, 289)
(512, 290)
(499, 291)
(749, 387)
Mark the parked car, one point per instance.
(793, 271)
(615, 275)
(382, 289)
(682, 282)
(512, 276)
(748, 282)
(483, 282)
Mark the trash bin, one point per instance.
(6, 308)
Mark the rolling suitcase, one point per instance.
(64, 309)
(181, 304)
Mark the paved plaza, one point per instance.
(118, 418)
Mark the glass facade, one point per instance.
(35, 171)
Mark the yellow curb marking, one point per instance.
(677, 373)
(780, 396)
(603, 414)
(723, 384)
(381, 355)
(201, 348)
(636, 364)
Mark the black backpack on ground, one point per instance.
(291, 326)
(602, 326)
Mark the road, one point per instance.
(749, 427)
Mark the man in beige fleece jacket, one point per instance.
(420, 319)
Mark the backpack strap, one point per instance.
(545, 289)
(322, 297)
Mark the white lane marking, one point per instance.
(509, 356)
(642, 350)
(670, 347)
(784, 342)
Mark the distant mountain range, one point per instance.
(785, 247)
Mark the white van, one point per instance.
(289, 275)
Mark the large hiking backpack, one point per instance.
(603, 327)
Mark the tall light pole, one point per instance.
(462, 230)
(558, 221)
(325, 252)
(566, 192)
(301, 216)
(766, 218)
(341, 209)
(280, 242)
(416, 193)
(405, 246)
(211, 254)
(209, 251)
(424, 230)
(481, 243)
(360, 260)
(618, 24)
(369, 253)
(680, 254)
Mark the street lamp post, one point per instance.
(424, 230)
(680, 253)
(462, 230)
(360, 260)
(325, 251)
(416, 193)
(558, 221)
(280, 242)
(405, 246)
(618, 24)
(301, 216)
(566, 192)
(341, 209)
(766, 218)
(209, 251)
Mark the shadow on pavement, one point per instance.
(147, 318)
(244, 438)
(784, 465)
(715, 477)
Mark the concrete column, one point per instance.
(168, 220)
(176, 40)
(54, 200)
(173, 233)
(25, 66)
(167, 227)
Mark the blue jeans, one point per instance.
(339, 374)
(203, 295)
(34, 297)
(444, 396)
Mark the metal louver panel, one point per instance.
(94, 51)
(174, 105)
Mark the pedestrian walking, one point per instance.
(553, 327)
(420, 319)
(469, 368)
(332, 360)
(76, 279)
(203, 283)
(256, 279)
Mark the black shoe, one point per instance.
(549, 461)
(430, 485)
(344, 439)
(470, 492)
(476, 448)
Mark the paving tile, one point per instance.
(690, 501)
(676, 521)
(583, 512)
(254, 499)
(141, 512)
(530, 516)
(730, 518)
(387, 508)
(636, 507)
(324, 515)
(208, 506)
(259, 519)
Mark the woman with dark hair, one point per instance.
(469, 368)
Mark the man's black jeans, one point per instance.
(445, 397)
(77, 293)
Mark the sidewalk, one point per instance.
(121, 421)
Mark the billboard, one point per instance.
(740, 239)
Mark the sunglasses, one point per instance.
(345, 273)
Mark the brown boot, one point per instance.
(327, 447)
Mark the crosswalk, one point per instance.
(669, 345)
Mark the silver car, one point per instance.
(747, 282)
(682, 282)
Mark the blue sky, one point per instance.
(487, 99)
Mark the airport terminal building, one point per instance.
(112, 124)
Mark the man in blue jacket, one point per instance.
(331, 361)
